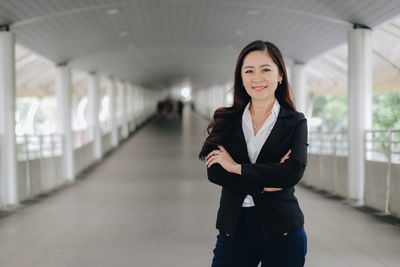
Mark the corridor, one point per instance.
(149, 203)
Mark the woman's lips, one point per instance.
(259, 88)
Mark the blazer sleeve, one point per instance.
(232, 181)
(288, 173)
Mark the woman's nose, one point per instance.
(258, 77)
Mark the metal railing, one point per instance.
(82, 137)
(382, 145)
(38, 146)
(328, 143)
(85, 136)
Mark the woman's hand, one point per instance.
(286, 156)
(223, 158)
(273, 189)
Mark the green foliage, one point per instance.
(44, 116)
(331, 109)
(387, 110)
(22, 106)
(47, 110)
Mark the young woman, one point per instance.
(257, 151)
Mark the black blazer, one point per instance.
(279, 211)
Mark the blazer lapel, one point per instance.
(282, 126)
(241, 142)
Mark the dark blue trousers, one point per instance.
(248, 247)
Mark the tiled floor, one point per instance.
(150, 204)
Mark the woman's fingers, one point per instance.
(211, 161)
(214, 152)
(272, 189)
(222, 148)
(286, 156)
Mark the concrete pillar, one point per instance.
(289, 72)
(64, 99)
(299, 87)
(359, 106)
(141, 104)
(130, 108)
(94, 123)
(221, 98)
(125, 130)
(8, 159)
(215, 97)
(119, 105)
(134, 105)
(210, 104)
(112, 92)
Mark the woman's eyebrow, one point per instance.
(264, 65)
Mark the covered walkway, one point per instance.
(149, 203)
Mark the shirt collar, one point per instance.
(246, 117)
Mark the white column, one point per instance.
(119, 106)
(125, 130)
(130, 108)
(299, 87)
(221, 96)
(8, 160)
(94, 122)
(215, 98)
(210, 102)
(289, 72)
(114, 129)
(63, 95)
(141, 104)
(134, 105)
(359, 106)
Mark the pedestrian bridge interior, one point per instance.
(94, 172)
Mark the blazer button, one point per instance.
(227, 234)
(285, 234)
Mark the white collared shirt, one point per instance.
(254, 143)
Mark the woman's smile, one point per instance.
(259, 88)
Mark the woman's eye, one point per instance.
(266, 70)
(248, 71)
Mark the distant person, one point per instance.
(180, 108)
(257, 151)
(160, 107)
(168, 108)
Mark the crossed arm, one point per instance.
(251, 178)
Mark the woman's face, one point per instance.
(260, 75)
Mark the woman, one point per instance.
(257, 151)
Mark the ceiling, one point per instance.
(156, 43)
(328, 73)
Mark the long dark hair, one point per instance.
(225, 117)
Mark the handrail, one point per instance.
(82, 137)
(38, 146)
(379, 145)
(382, 145)
(328, 143)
